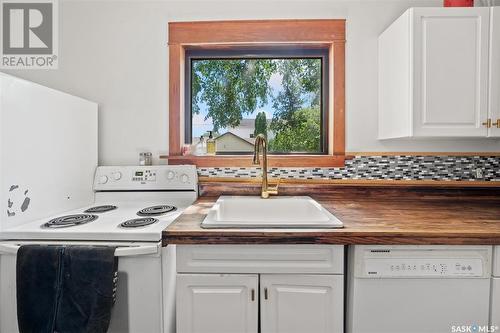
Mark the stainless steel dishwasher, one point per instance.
(418, 289)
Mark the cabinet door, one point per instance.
(217, 303)
(450, 50)
(494, 94)
(301, 303)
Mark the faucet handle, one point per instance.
(274, 189)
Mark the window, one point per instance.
(237, 94)
(275, 45)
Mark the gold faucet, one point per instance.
(260, 141)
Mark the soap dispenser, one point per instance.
(210, 144)
(200, 147)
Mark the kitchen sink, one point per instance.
(275, 212)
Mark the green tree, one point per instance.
(260, 124)
(310, 79)
(233, 88)
(305, 137)
(230, 88)
(297, 117)
(288, 101)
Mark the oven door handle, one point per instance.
(128, 251)
(8, 249)
(124, 251)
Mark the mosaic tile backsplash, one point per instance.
(451, 168)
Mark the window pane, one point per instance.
(240, 98)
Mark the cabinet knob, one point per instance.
(497, 123)
(265, 293)
(252, 292)
(487, 123)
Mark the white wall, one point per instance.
(115, 53)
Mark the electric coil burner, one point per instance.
(136, 223)
(156, 210)
(100, 209)
(69, 220)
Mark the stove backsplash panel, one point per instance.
(442, 168)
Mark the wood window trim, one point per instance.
(258, 33)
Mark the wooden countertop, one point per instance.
(370, 216)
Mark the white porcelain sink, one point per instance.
(274, 212)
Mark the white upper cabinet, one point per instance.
(494, 81)
(434, 73)
(450, 71)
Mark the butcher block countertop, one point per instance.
(370, 215)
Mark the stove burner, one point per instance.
(100, 209)
(136, 223)
(156, 210)
(69, 220)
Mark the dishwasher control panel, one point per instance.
(423, 267)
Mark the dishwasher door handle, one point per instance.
(124, 251)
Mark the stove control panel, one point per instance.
(144, 176)
(428, 267)
(158, 177)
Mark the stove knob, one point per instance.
(117, 175)
(103, 179)
(184, 178)
(170, 175)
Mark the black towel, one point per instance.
(65, 288)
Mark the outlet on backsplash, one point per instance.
(478, 173)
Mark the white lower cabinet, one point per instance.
(301, 303)
(217, 303)
(265, 288)
(229, 303)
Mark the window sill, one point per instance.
(246, 161)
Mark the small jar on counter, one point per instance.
(146, 158)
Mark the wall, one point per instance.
(115, 53)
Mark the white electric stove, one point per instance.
(133, 204)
